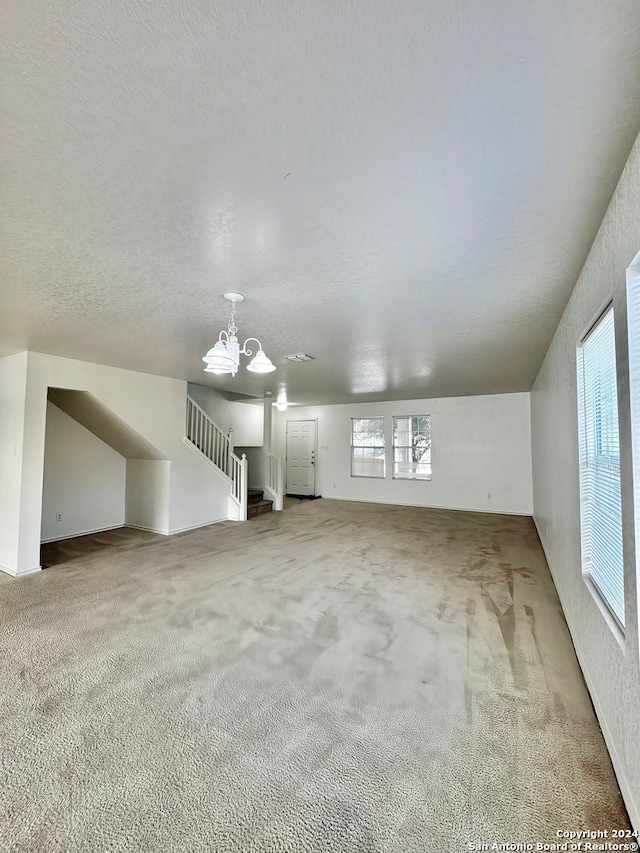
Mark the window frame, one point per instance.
(410, 447)
(374, 447)
(633, 350)
(601, 537)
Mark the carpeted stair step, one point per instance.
(256, 503)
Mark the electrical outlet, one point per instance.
(489, 496)
(58, 516)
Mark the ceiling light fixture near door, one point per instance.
(224, 356)
(282, 404)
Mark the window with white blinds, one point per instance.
(633, 330)
(367, 447)
(599, 442)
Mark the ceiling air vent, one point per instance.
(299, 356)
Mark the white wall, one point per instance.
(612, 670)
(255, 465)
(84, 480)
(147, 496)
(245, 419)
(13, 385)
(479, 445)
(153, 406)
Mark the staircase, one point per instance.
(256, 503)
(213, 444)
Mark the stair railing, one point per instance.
(212, 442)
(207, 436)
(275, 480)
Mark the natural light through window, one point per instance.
(367, 447)
(412, 447)
(633, 326)
(600, 501)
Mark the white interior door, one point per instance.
(301, 457)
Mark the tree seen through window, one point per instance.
(412, 447)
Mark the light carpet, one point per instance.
(336, 677)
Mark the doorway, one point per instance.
(301, 458)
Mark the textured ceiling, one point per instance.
(405, 190)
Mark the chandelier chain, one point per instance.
(232, 320)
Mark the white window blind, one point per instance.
(599, 442)
(367, 447)
(633, 328)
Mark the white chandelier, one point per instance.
(224, 356)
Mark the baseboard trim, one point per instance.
(633, 808)
(22, 574)
(148, 529)
(84, 533)
(198, 526)
(429, 506)
(119, 527)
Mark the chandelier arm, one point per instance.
(246, 351)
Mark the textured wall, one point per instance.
(245, 419)
(84, 480)
(611, 668)
(480, 445)
(13, 380)
(148, 494)
(152, 406)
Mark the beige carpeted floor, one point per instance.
(336, 677)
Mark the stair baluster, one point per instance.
(214, 444)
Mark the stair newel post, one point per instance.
(244, 486)
(280, 482)
(229, 448)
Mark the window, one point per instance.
(412, 447)
(633, 327)
(599, 445)
(367, 447)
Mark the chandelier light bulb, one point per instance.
(260, 363)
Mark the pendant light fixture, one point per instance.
(224, 356)
(281, 405)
